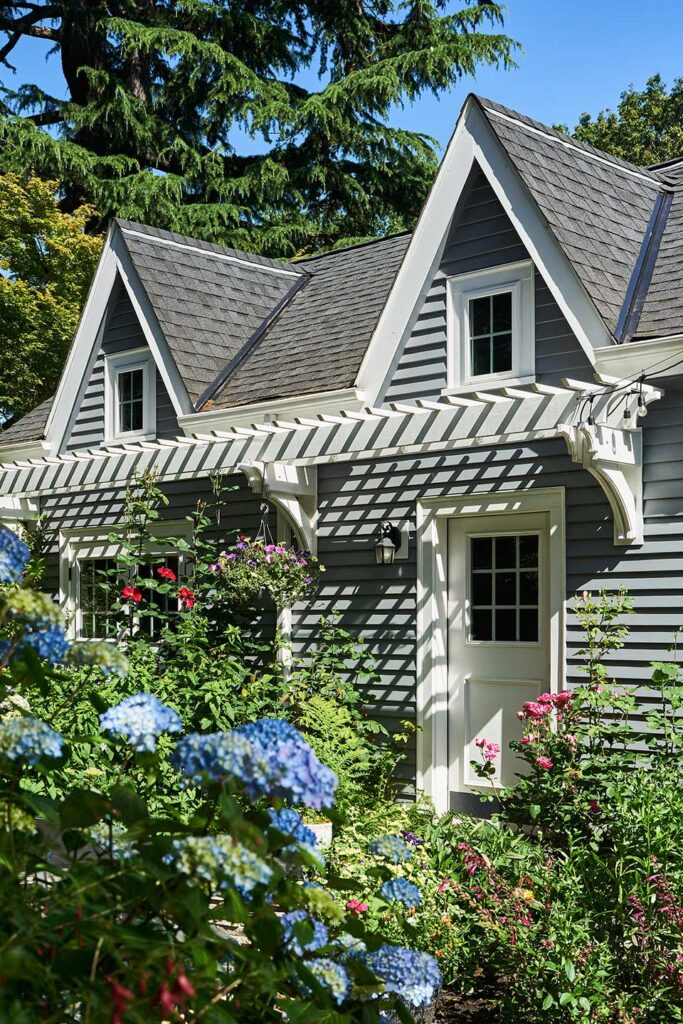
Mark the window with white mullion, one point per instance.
(504, 589)
(131, 400)
(490, 323)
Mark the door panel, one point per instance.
(498, 635)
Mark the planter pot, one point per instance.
(323, 833)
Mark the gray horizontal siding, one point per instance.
(481, 236)
(379, 602)
(122, 333)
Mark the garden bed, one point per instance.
(454, 1008)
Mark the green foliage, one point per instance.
(646, 128)
(569, 903)
(259, 125)
(47, 262)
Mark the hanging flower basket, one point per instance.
(253, 567)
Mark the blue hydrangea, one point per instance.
(220, 861)
(331, 976)
(270, 757)
(413, 976)
(292, 771)
(14, 555)
(392, 848)
(29, 739)
(400, 890)
(49, 643)
(290, 823)
(139, 720)
(318, 939)
(213, 756)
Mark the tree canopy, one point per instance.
(646, 127)
(263, 124)
(46, 265)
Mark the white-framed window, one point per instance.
(491, 327)
(130, 395)
(87, 592)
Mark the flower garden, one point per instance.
(160, 797)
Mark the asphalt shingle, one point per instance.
(30, 427)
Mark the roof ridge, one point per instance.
(225, 252)
(531, 124)
(350, 248)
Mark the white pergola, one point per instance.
(282, 455)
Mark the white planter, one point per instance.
(323, 833)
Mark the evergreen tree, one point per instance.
(646, 127)
(262, 124)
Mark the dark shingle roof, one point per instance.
(597, 206)
(319, 340)
(30, 427)
(208, 299)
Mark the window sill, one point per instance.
(135, 435)
(488, 384)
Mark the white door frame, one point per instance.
(432, 613)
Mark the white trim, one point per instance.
(15, 510)
(516, 279)
(433, 515)
(114, 262)
(472, 140)
(123, 362)
(87, 542)
(18, 450)
(324, 402)
(226, 257)
(652, 356)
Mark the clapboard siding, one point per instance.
(122, 333)
(481, 236)
(379, 602)
(103, 509)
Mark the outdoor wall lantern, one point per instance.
(391, 543)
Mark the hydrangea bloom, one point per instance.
(392, 848)
(331, 976)
(270, 757)
(49, 643)
(292, 771)
(14, 555)
(213, 756)
(221, 861)
(318, 939)
(29, 739)
(108, 658)
(402, 891)
(414, 977)
(289, 822)
(139, 720)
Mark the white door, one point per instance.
(498, 635)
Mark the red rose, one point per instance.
(186, 597)
(167, 573)
(131, 594)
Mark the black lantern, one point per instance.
(388, 543)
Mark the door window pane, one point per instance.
(490, 327)
(131, 411)
(503, 589)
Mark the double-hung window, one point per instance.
(491, 327)
(130, 403)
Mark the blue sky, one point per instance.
(577, 55)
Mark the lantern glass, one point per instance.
(385, 551)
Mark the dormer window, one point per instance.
(130, 406)
(491, 327)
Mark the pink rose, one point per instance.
(357, 906)
(444, 885)
(526, 739)
(491, 751)
(546, 698)
(544, 762)
(480, 743)
(563, 698)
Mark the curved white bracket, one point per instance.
(615, 458)
(293, 489)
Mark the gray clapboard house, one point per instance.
(479, 384)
